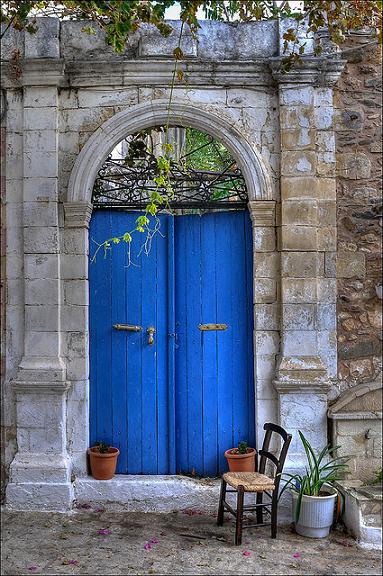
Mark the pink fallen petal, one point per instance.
(104, 531)
(246, 553)
(153, 541)
(32, 568)
(147, 546)
(297, 555)
(73, 562)
(99, 510)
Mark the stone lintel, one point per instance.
(354, 415)
(29, 387)
(316, 71)
(262, 213)
(77, 214)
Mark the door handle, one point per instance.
(128, 327)
(151, 331)
(206, 327)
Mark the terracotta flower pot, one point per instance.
(103, 465)
(241, 462)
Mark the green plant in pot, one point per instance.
(314, 493)
(103, 460)
(241, 458)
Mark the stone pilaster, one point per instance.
(306, 239)
(40, 472)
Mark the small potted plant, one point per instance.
(103, 460)
(241, 459)
(314, 493)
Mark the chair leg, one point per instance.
(239, 520)
(221, 509)
(259, 509)
(274, 514)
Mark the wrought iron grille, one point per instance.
(127, 184)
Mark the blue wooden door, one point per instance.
(178, 404)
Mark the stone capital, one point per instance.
(315, 71)
(262, 213)
(77, 214)
(37, 373)
(42, 72)
(301, 374)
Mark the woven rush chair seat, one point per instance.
(251, 481)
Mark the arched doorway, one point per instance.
(171, 325)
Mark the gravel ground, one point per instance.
(95, 541)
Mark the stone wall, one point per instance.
(358, 97)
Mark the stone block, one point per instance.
(265, 366)
(323, 117)
(327, 290)
(326, 317)
(74, 267)
(246, 98)
(40, 189)
(88, 98)
(300, 342)
(266, 342)
(76, 292)
(327, 213)
(266, 317)
(296, 95)
(41, 318)
(323, 97)
(69, 143)
(325, 142)
(293, 117)
(40, 96)
(296, 238)
(40, 118)
(74, 319)
(74, 344)
(299, 290)
(15, 267)
(77, 369)
(298, 188)
(38, 240)
(266, 391)
(299, 316)
(330, 264)
(41, 343)
(327, 238)
(263, 239)
(302, 163)
(265, 290)
(351, 264)
(302, 264)
(298, 139)
(42, 214)
(266, 411)
(266, 265)
(41, 164)
(75, 241)
(36, 141)
(31, 415)
(41, 291)
(44, 43)
(300, 212)
(41, 266)
(153, 44)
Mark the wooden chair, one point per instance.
(258, 482)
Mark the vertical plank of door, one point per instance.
(133, 289)
(171, 343)
(118, 366)
(181, 374)
(209, 347)
(149, 353)
(227, 382)
(237, 295)
(193, 344)
(161, 336)
(101, 329)
(250, 326)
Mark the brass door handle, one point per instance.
(206, 327)
(128, 327)
(151, 331)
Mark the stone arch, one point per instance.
(154, 113)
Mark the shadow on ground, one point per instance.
(94, 541)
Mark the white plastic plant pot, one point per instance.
(317, 514)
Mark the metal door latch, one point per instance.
(206, 327)
(151, 331)
(128, 327)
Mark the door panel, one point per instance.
(129, 393)
(179, 404)
(214, 369)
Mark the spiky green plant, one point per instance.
(319, 471)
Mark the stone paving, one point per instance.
(95, 541)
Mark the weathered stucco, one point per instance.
(70, 99)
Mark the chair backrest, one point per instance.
(265, 454)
